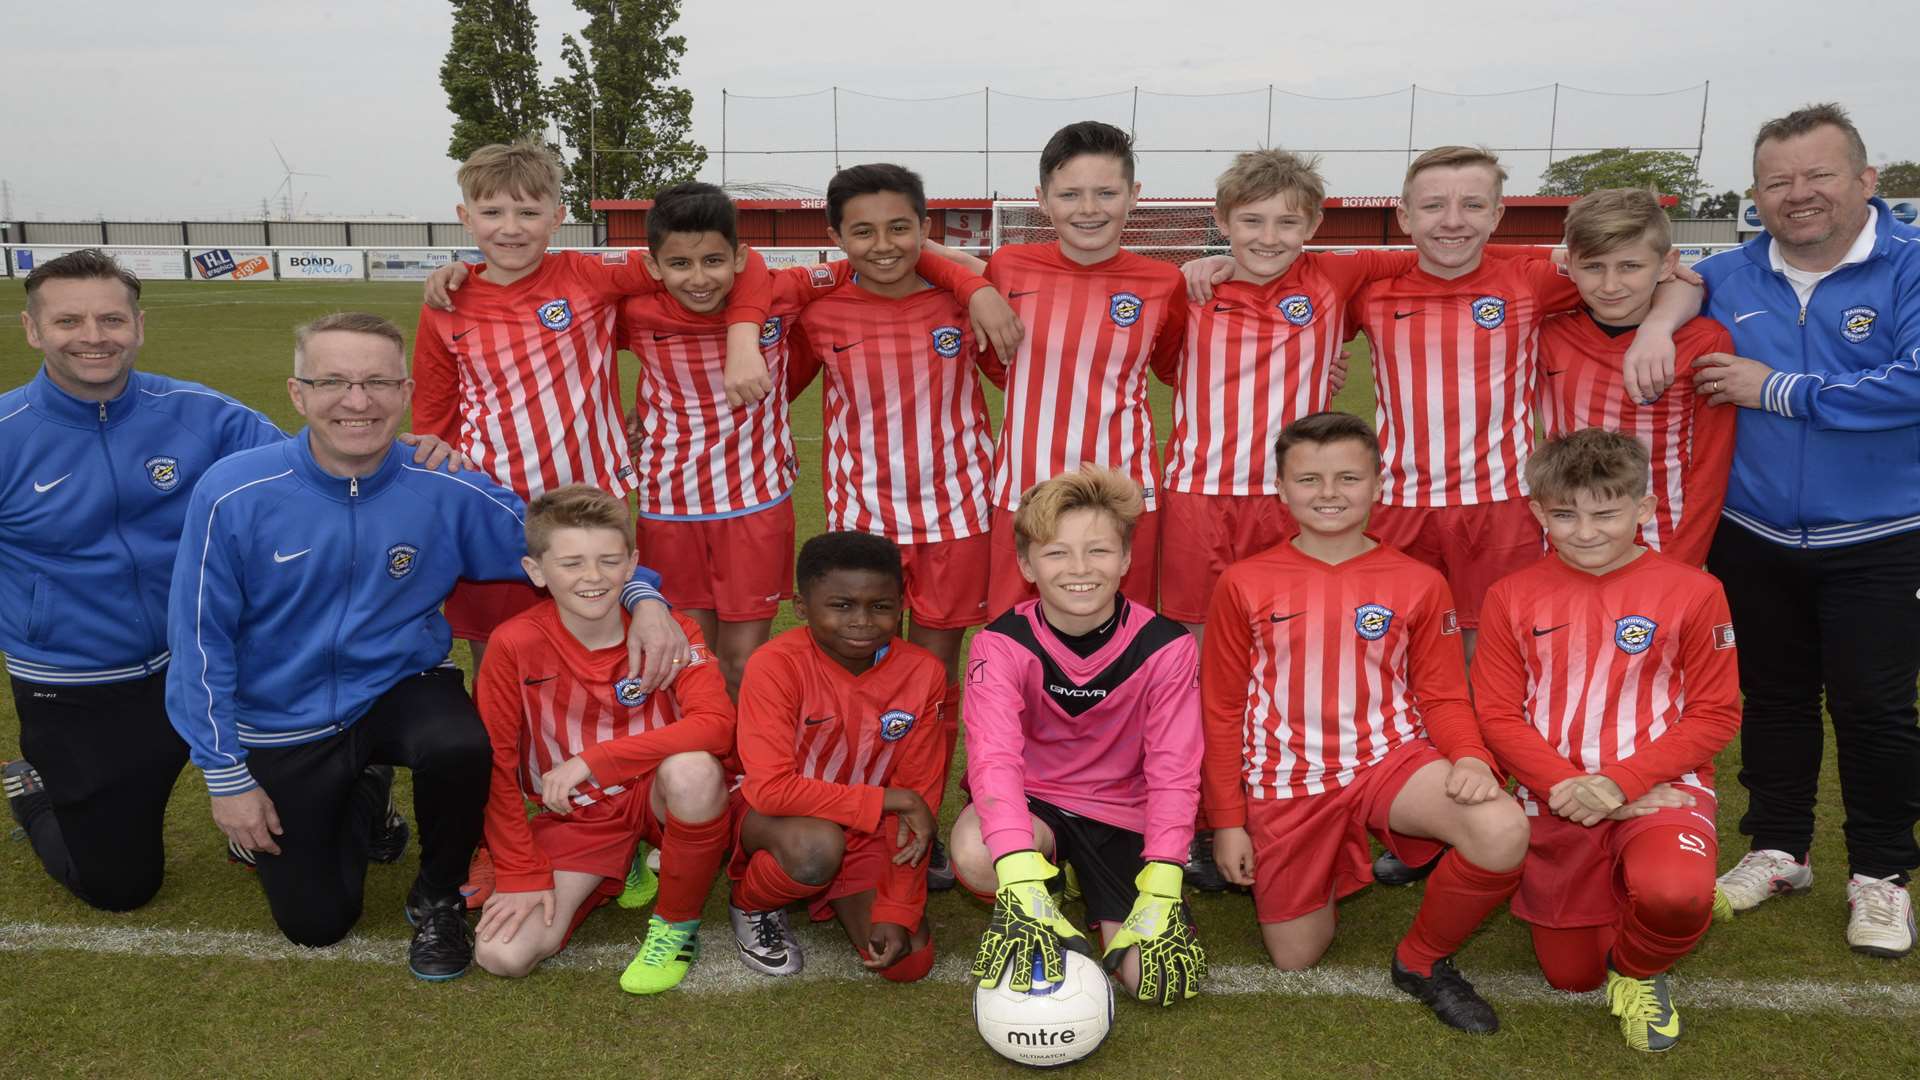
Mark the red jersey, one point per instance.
(523, 378)
(1628, 674)
(1453, 377)
(546, 698)
(819, 741)
(1689, 441)
(1256, 358)
(1077, 387)
(907, 441)
(1310, 672)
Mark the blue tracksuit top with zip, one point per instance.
(300, 597)
(1833, 455)
(92, 495)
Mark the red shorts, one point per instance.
(1006, 587)
(947, 581)
(1474, 546)
(1561, 881)
(599, 838)
(1215, 532)
(739, 568)
(1312, 849)
(476, 607)
(862, 866)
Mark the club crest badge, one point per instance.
(400, 560)
(1296, 309)
(556, 314)
(1490, 311)
(946, 341)
(1124, 309)
(1634, 633)
(163, 472)
(894, 724)
(1856, 323)
(770, 332)
(1371, 621)
(627, 692)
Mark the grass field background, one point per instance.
(198, 983)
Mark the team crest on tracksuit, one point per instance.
(400, 560)
(1296, 309)
(1634, 633)
(163, 472)
(556, 314)
(1490, 311)
(770, 332)
(1124, 309)
(894, 724)
(1856, 323)
(1371, 621)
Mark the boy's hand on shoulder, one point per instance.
(443, 283)
(657, 649)
(1233, 854)
(887, 943)
(1204, 273)
(995, 325)
(915, 834)
(504, 912)
(1337, 371)
(560, 782)
(1471, 781)
(1648, 367)
(429, 452)
(1658, 797)
(745, 375)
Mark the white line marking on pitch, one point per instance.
(830, 959)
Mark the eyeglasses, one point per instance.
(373, 387)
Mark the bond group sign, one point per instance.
(322, 264)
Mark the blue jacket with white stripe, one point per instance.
(300, 597)
(92, 494)
(1833, 455)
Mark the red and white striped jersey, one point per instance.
(908, 444)
(523, 378)
(1629, 674)
(1453, 377)
(1689, 442)
(1256, 358)
(696, 455)
(1077, 387)
(545, 698)
(1310, 672)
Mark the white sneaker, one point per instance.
(766, 941)
(1761, 874)
(1880, 917)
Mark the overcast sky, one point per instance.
(140, 109)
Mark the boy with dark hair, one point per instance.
(1098, 319)
(611, 764)
(1083, 747)
(844, 743)
(1618, 250)
(1606, 683)
(1335, 697)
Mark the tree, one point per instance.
(491, 76)
(1900, 178)
(1666, 171)
(1724, 205)
(627, 128)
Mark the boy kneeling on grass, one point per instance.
(607, 764)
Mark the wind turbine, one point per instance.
(284, 194)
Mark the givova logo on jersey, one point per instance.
(1490, 311)
(556, 314)
(946, 341)
(1124, 308)
(162, 472)
(1371, 621)
(1296, 309)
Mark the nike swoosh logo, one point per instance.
(42, 489)
(1406, 314)
(844, 348)
(279, 558)
(1537, 632)
(1017, 295)
(664, 337)
(1670, 1029)
(817, 720)
(1284, 618)
(531, 681)
(465, 332)
(1744, 316)
(1222, 307)
(1554, 371)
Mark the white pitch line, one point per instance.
(830, 959)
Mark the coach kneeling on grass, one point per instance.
(313, 656)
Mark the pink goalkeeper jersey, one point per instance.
(1114, 736)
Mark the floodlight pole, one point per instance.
(986, 138)
(1553, 122)
(1706, 91)
(1133, 122)
(723, 136)
(836, 129)
(1269, 143)
(1413, 98)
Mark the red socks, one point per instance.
(689, 858)
(1669, 899)
(767, 887)
(1459, 898)
(910, 968)
(1573, 959)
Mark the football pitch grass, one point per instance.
(200, 983)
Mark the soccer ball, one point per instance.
(1054, 1023)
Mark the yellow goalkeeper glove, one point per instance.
(1172, 961)
(1025, 921)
